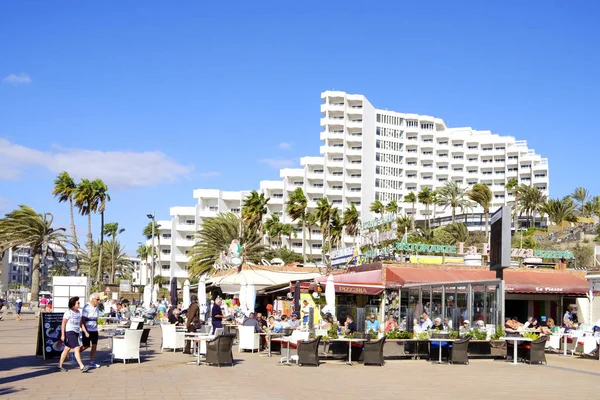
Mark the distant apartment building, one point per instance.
(368, 154)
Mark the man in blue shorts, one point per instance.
(89, 318)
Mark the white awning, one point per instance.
(262, 278)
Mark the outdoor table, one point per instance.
(269, 335)
(565, 336)
(111, 333)
(350, 341)
(195, 334)
(288, 339)
(440, 348)
(197, 339)
(516, 339)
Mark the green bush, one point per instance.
(498, 334)
(476, 334)
(531, 335)
(398, 334)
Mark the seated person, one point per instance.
(274, 325)
(151, 312)
(465, 329)
(480, 326)
(349, 325)
(125, 313)
(175, 317)
(251, 321)
(261, 322)
(390, 324)
(567, 324)
(372, 324)
(327, 323)
(285, 322)
(294, 322)
(511, 325)
(437, 325)
(447, 324)
(550, 328)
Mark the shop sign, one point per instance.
(548, 289)
(352, 289)
(378, 222)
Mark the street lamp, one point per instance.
(151, 217)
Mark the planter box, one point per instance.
(498, 348)
(395, 348)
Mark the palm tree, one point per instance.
(273, 227)
(411, 198)
(117, 258)
(84, 197)
(25, 227)
(336, 227)
(352, 221)
(296, 209)
(513, 185)
(581, 195)
(112, 230)
(288, 230)
(214, 238)
(531, 199)
(482, 195)
(100, 199)
(404, 223)
(560, 210)
(454, 196)
(592, 207)
(253, 209)
(59, 269)
(458, 232)
(323, 216)
(392, 207)
(148, 233)
(65, 189)
(377, 207)
(424, 197)
(435, 199)
(311, 220)
(143, 252)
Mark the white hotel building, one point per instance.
(368, 154)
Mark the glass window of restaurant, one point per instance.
(457, 301)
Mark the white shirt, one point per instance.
(426, 324)
(91, 317)
(73, 321)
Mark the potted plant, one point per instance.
(498, 346)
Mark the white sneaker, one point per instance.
(92, 364)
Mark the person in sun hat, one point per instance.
(465, 329)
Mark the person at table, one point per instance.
(278, 315)
(390, 324)
(252, 321)
(125, 313)
(465, 329)
(567, 324)
(437, 325)
(217, 314)
(527, 324)
(294, 321)
(427, 324)
(262, 323)
(447, 324)
(285, 321)
(175, 318)
(89, 318)
(550, 328)
(274, 325)
(327, 323)
(372, 324)
(193, 317)
(69, 334)
(349, 325)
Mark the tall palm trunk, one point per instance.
(486, 212)
(158, 255)
(101, 246)
(453, 214)
(89, 249)
(112, 262)
(73, 231)
(414, 217)
(310, 240)
(304, 239)
(35, 274)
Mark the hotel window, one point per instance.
(427, 126)
(412, 123)
(166, 236)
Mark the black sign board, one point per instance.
(500, 239)
(49, 344)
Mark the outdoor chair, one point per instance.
(458, 352)
(171, 339)
(127, 347)
(137, 323)
(276, 341)
(308, 352)
(219, 331)
(144, 338)
(536, 352)
(373, 352)
(249, 340)
(218, 350)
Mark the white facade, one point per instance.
(370, 154)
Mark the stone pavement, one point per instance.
(166, 375)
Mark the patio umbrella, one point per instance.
(202, 297)
(251, 293)
(155, 293)
(147, 296)
(186, 294)
(330, 296)
(243, 299)
(173, 291)
(297, 298)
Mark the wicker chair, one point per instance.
(536, 352)
(458, 353)
(218, 350)
(308, 352)
(373, 352)
(144, 338)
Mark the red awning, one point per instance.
(516, 281)
(365, 282)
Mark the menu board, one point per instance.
(49, 344)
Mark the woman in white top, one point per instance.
(71, 328)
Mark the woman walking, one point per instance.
(18, 306)
(71, 328)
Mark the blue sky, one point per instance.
(159, 99)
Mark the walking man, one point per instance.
(89, 319)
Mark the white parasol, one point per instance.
(186, 294)
(243, 299)
(330, 296)
(202, 296)
(251, 294)
(155, 293)
(147, 296)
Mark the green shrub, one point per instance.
(476, 334)
(531, 335)
(498, 334)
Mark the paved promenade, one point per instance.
(166, 375)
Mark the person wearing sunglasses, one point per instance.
(69, 334)
(89, 319)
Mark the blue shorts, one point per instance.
(72, 339)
